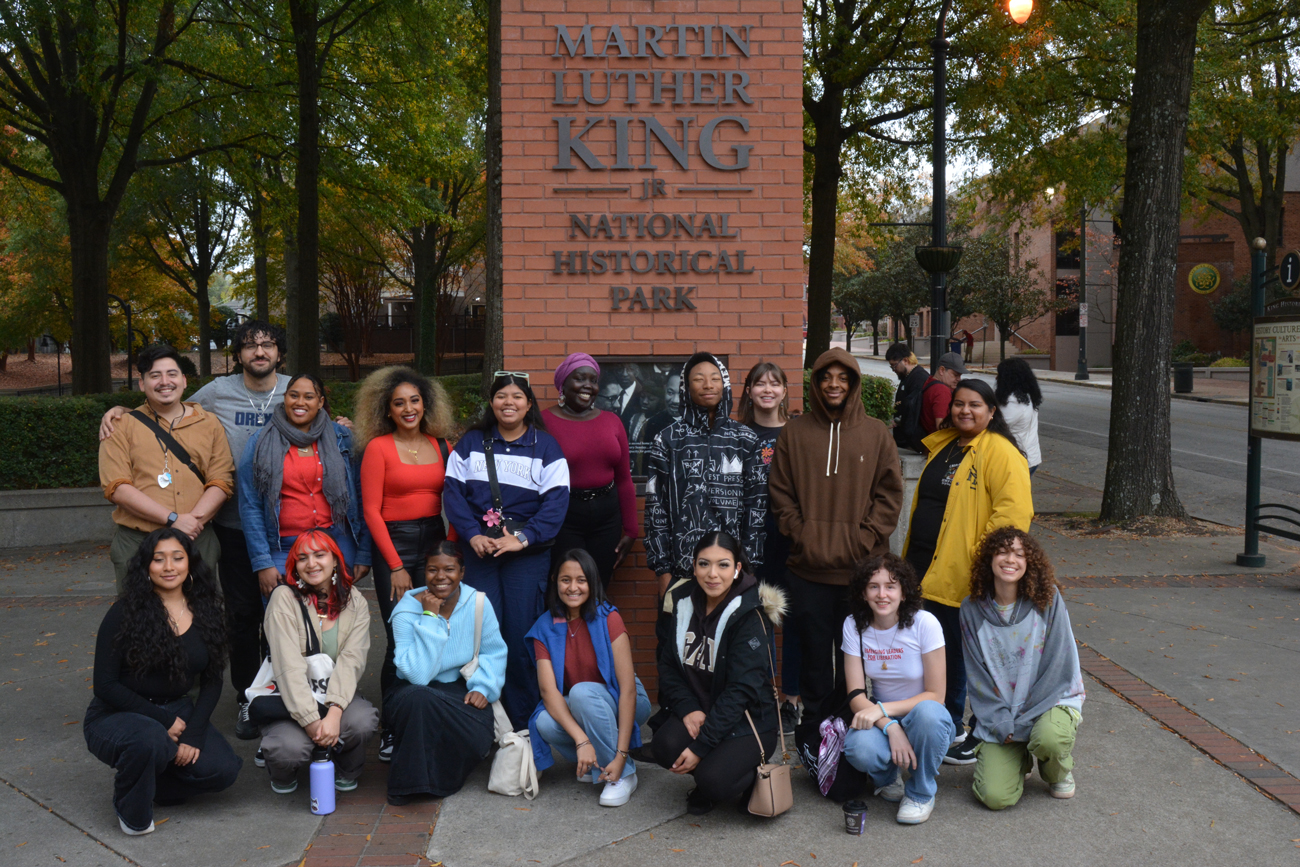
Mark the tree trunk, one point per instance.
(425, 294)
(302, 312)
(31, 350)
(827, 169)
(493, 334)
(875, 337)
(1139, 466)
(261, 283)
(202, 280)
(88, 235)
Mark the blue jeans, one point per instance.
(595, 710)
(928, 728)
(954, 697)
(342, 538)
(516, 587)
(138, 748)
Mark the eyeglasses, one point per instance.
(265, 345)
(517, 373)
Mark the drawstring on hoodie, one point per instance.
(833, 443)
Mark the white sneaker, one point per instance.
(893, 793)
(912, 813)
(126, 829)
(1065, 788)
(618, 792)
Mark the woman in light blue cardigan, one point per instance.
(440, 718)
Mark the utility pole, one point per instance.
(1082, 372)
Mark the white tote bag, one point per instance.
(513, 772)
(319, 668)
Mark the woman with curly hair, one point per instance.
(403, 421)
(1019, 398)
(1026, 690)
(165, 631)
(317, 610)
(891, 642)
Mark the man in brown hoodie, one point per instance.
(836, 489)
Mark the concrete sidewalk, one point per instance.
(1145, 793)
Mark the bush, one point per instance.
(53, 442)
(877, 395)
(1230, 362)
(1182, 350)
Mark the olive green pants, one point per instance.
(126, 541)
(1000, 768)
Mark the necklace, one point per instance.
(884, 664)
(413, 452)
(573, 632)
(259, 412)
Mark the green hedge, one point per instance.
(877, 395)
(53, 442)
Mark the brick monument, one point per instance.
(652, 200)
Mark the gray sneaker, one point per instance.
(893, 792)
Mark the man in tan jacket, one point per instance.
(836, 489)
(150, 482)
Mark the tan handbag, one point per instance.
(772, 794)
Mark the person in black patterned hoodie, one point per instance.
(704, 473)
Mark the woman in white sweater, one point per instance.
(1019, 397)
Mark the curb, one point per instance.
(1196, 730)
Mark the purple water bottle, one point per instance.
(322, 782)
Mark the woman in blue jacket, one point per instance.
(506, 542)
(592, 705)
(296, 474)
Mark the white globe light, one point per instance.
(1020, 10)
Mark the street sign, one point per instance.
(1083, 314)
(1289, 271)
(1203, 279)
(1275, 377)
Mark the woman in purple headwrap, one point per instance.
(602, 501)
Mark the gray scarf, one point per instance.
(278, 435)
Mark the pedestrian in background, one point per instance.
(704, 474)
(403, 422)
(165, 632)
(507, 548)
(937, 391)
(975, 480)
(601, 519)
(1019, 397)
(764, 409)
(296, 475)
(912, 382)
(1026, 689)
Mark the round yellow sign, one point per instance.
(1203, 279)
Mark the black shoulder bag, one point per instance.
(168, 442)
(507, 525)
(266, 709)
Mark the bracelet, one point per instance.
(581, 745)
(883, 712)
(624, 753)
(892, 722)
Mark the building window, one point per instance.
(1067, 250)
(1067, 323)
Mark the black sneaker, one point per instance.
(245, 728)
(259, 759)
(386, 747)
(961, 753)
(697, 804)
(790, 716)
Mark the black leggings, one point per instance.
(727, 772)
(595, 526)
(412, 540)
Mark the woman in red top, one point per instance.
(602, 500)
(403, 420)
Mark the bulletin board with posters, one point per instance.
(1275, 377)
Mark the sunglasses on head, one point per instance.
(501, 373)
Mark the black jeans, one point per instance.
(138, 748)
(818, 612)
(412, 541)
(727, 772)
(244, 608)
(595, 526)
(954, 698)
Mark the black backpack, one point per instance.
(908, 432)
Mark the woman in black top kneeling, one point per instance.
(166, 630)
(713, 668)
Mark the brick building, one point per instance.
(652, 196)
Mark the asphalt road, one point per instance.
(1209, 449)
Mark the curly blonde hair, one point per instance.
(1038, 584)
(372, 418)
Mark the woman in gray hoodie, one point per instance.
(1022, 669)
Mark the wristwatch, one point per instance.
(171, 518)
(519, 534)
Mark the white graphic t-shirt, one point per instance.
(891, 658)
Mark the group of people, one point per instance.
(492, 554)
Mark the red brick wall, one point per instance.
(746, 316)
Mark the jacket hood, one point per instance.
(853, 412)
(696, 416)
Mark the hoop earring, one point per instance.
(189, 579)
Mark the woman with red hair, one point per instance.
(317, 607)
